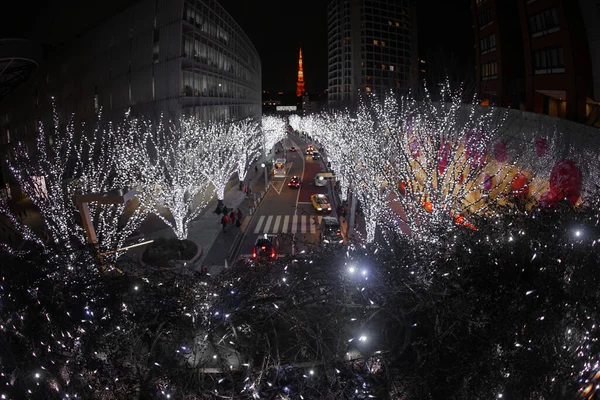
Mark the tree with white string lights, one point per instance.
(273, 131)
(177, 160)
(219, 152)
(104, 162)
(53, 174)
(247, 148)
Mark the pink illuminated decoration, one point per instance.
(541, 146)
(500, 151)
(443, 155)
(475, 148)
(414, 148)
(565, 181)
(487, 182)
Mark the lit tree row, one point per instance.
(433, 163)
(175, 168)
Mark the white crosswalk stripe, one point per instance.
(259, 224)
(288, 224)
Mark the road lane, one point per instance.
(288, 212)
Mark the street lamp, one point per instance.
(264, 166)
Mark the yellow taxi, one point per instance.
(320, 202)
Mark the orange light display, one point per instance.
(300, 83)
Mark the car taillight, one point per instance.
(272, 253)
(254, 253)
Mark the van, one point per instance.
(331, 232)
(279, 168)
(322, 178)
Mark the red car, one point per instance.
(294, 182)
(293, 149)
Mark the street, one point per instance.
(286, 211)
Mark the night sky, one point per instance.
(275, 27)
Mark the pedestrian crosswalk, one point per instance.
(286, 224)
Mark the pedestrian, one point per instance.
(239, 214)
(249, 191)
(224, 222)
(232, 216)
(225, 210)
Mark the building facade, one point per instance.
(155, 57)
(535, 55)
(371, 48)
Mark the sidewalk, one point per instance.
(206, 230)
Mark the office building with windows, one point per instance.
(371, 48)
(535, 55)
(156, 57)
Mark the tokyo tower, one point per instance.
(300, 83)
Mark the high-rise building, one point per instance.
(371, 48)
(156, 57)
(536, 55)
(300, 84)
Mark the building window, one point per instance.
(485, 18)
(549, 61)
(375, 41)
(96, 102)
(391, 67)
(489, 70)
(544, 22)
(488, 43)
(156, 47)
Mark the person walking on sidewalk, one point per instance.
(232, 216)
(224, 222)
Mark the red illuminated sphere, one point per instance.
(518, 185)
(565, 181)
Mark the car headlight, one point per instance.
(319, 208)
(325, 241)
(341, 241)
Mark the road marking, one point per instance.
(268, 224)
(313, 224)
(303, 223)
(276, 224)
(259, 224)
(295, 224)
(286, 222)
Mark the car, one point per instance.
(265, 248)
(316, 155)
(310, 149)
(320, 202)
(294, 182)
(293, 149)
(331, 232)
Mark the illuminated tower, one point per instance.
(300, 83)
